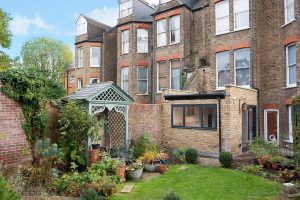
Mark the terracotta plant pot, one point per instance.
(121, 171)
(162, 168)
(93, 156)
(269, 165)
(261, 162)
(275, 166)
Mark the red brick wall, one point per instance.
(12, 136)
(145, 118)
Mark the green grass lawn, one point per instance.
(207, 183)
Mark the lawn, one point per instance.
(207, 183)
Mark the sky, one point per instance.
(54, 18)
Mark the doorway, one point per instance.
(249, 127)
(271, 125)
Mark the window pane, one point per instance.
(209, 117)
(125, 79)
(292, 74)
(292, 54)
(242, 65)
(163, 73)
(142, 87)
(161, 33)
(95, 56)
(242, 19)
(175, 79)
(142, 41)
(241, 6)
(125, 41)
(142, 73)
(222, 9)
(223, 68)
(222, 16)
(192, 116)
(142, 80)
(222, 25)
(177, 116)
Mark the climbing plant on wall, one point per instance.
(296, 131)
(31, 90)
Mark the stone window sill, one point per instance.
(290, 87)
(286, 24)
(237, 30)
(142, 94)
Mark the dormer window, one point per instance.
(125, 8)
(164, 1)
(81, 26)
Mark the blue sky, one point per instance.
(54, 18)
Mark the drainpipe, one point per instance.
(220, 127)
(153, 63)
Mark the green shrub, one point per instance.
(226, 159)
(178, 155)
(91, 195)
(287, 176)
(253, 169)
(260, 148)
(171, 196)
(191, 156)
(6, 192)
(142, 144)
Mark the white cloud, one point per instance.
(105, 15)
(20, 25)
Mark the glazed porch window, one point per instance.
(289, 10)
(162, 76)
(125, 79)
(125, 41)
(175, 75)
(80, 57)
(175, 29)
(291, 68)
(242, 67)
(194, 116)
(95, 56)
(223, 69)
(241, 14)
(142, 41)
(222, 16)
(142, 76)
(125, 8)
(161, 33)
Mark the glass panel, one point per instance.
(142, 73)
(95, 56)
(142, 41)
(163, 73)
(142, 86)
(209, 117)
(242, 65)
(223, 24)
(161, 33)
(178, 116)
(241, 6)
(125, 79)
(242, 19)
(175, 81)
(242, 76)
(292, 54)
(192, 116)
(292, 74)
(223, 66)
(222, 9)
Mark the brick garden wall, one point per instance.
(12, 137)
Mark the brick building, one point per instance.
(222, 71)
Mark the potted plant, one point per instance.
(150, 160)
(268, 162)
(134, 171)
(275, 161)
(162, 167)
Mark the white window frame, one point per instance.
(79, 86)
(246, 86)
(286, 11)
(266, 124)
(125, 42)
(137, 75)
(170, 75)
(144, 50)
(289, 65)
(216, 17)
(99, 56)
(177, 40)
(91, 80)
(160, 44)
(80, 57)
(127, 10)
(217, 70)
(122, 78)
(291, 134)
(236, 13)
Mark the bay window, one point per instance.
(162, 76)
(161, 33)
(125, 8)
(194, 116)
(241, 14)
(175, 75)
(80, 57)
(95, 56)
(125, 41)
(223, 69)
(142, 78)
(242, 67)
(222, 16)
(142, 41)
(175, 29)
(289, 9)
(291, 69)
(125, 79)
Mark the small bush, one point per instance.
(6, 192)
(91, 195)
(287, 176)
(191, 156)
(226, 159)
(142, 144)
(253, 169)
(171, 196)
(179, 155)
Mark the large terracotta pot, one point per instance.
(275, 166)
(260, 162)
(121, 171)
(134, 174)
(162, 168)
(93, 156)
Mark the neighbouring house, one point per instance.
(216, 73)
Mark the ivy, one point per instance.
(29, 88)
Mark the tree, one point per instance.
(5, 39)
(51, 57)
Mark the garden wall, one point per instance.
(145, 118)
(13, 141)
